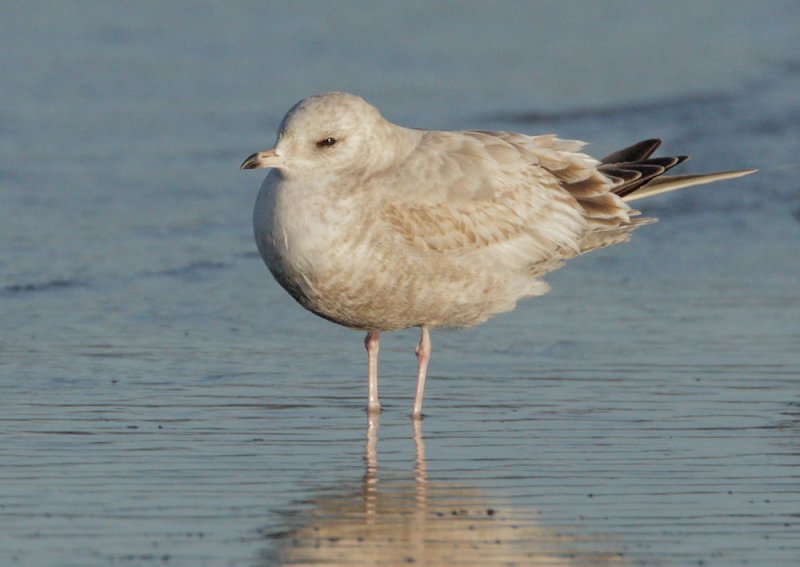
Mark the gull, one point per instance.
(378, 227)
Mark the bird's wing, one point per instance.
(528, 199)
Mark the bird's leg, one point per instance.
(423, 356)
(372, 343)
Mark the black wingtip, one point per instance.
(636, 152)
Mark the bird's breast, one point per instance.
(317, 247)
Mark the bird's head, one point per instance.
(328, 133)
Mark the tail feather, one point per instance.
(637, 175)
(673, 182)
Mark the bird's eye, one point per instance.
(326, 142)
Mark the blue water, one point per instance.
(165, 402)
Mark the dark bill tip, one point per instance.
(251, 162)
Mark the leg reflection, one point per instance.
(409, 519)
(420, 469)
(370, 483)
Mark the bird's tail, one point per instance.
(673, 182)
(640, 175)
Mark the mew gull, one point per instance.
(378, 227)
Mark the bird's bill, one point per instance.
(267, 158)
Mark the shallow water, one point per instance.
(164, 401)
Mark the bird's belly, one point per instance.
(340, 281)
(370, 289)
(361, 278)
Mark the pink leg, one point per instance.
(372, 343)
(423, 356)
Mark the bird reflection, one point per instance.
(411, 520)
